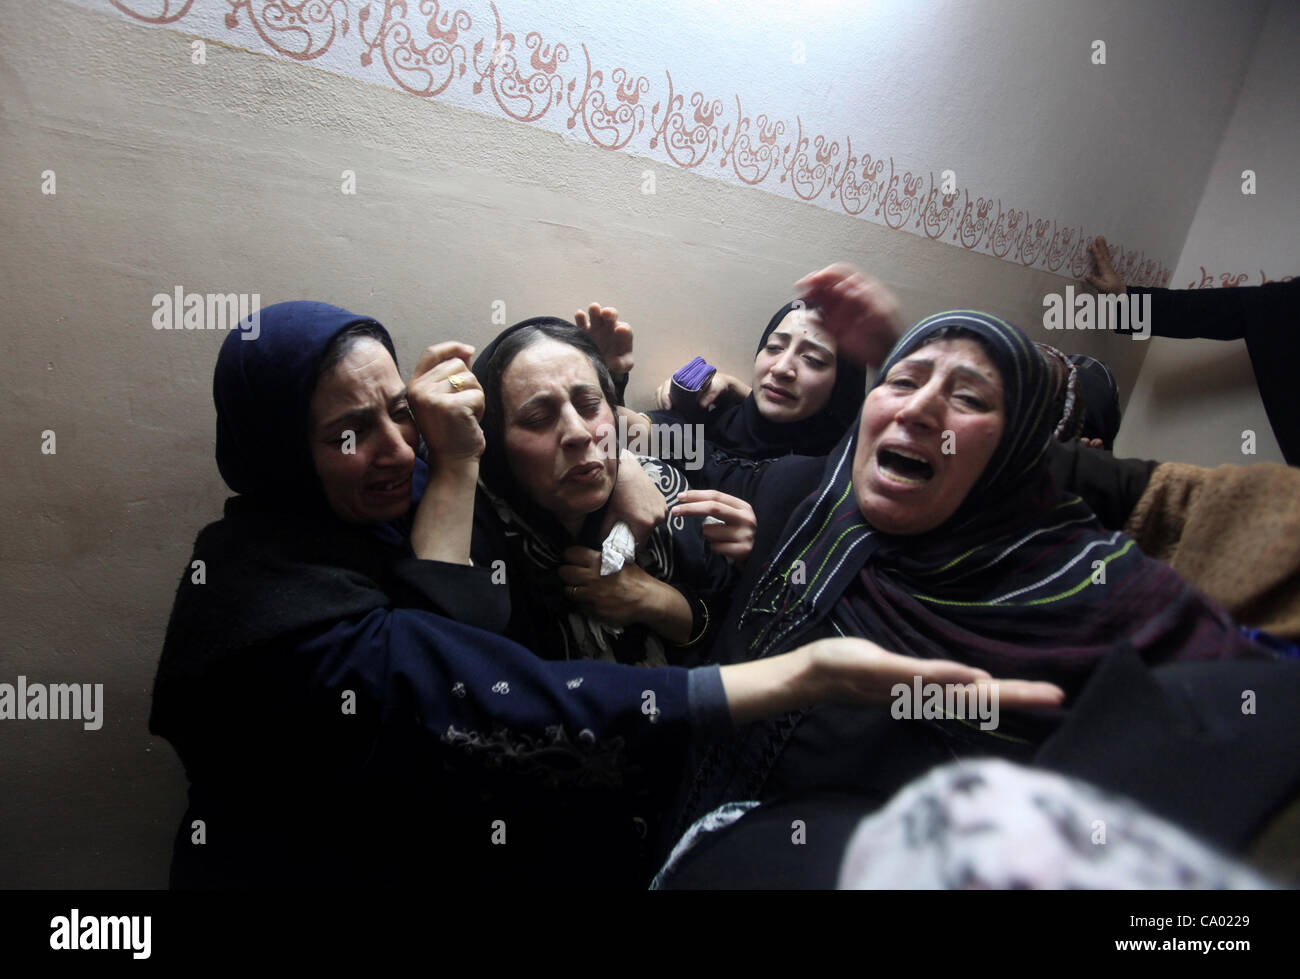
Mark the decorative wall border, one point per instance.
(425, 50)
(1227, 280)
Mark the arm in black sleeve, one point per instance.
(705, 579)
(1267, 317)
(1222, 314)
(1111, 487)
(479, 691)
(459, 591)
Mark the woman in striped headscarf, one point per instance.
(935, 530)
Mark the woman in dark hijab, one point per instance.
(803, 397)
(1087, 399)
(935, 529)
(331, 677)
(547, 481)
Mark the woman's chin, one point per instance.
(781, 413)
(893, 516)
(584, 501)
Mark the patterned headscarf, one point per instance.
(1020, 580)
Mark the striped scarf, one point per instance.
(1021, 581)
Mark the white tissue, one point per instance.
(619, 548)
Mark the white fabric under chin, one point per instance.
(618, 549)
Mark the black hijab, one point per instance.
(280, 561)
(494, 468)
(742, 430)
(262, 387)
(1099, 397)
(509, 525)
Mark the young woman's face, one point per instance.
(795, 372)
(363, 437)
(927, 432)
(556, 423)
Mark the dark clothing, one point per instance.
(511, 527)
(343, 711)
(740, 432)
(339, 727)
(1174, 738)
(1267, 317)
(544, 618)
(1111, 487)
(1098, 398)
(1010, 584)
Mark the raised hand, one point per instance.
(723, 389)
(862, 315)
(732, 533)
(612, 336)
(1105, 279)
(447, 402)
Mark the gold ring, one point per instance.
(456, 383)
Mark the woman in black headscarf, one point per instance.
(935, 529)
(803, 395)
(331, 677)
(546, 485)
(1087, 399)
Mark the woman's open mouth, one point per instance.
(776, 394)
(902, 466)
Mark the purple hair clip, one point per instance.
(688, 384)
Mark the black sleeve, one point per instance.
(458, 591)
(1111, 487)
(1267, 317)
(705, 580)
(1223, 314)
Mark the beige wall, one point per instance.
(228, 180)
